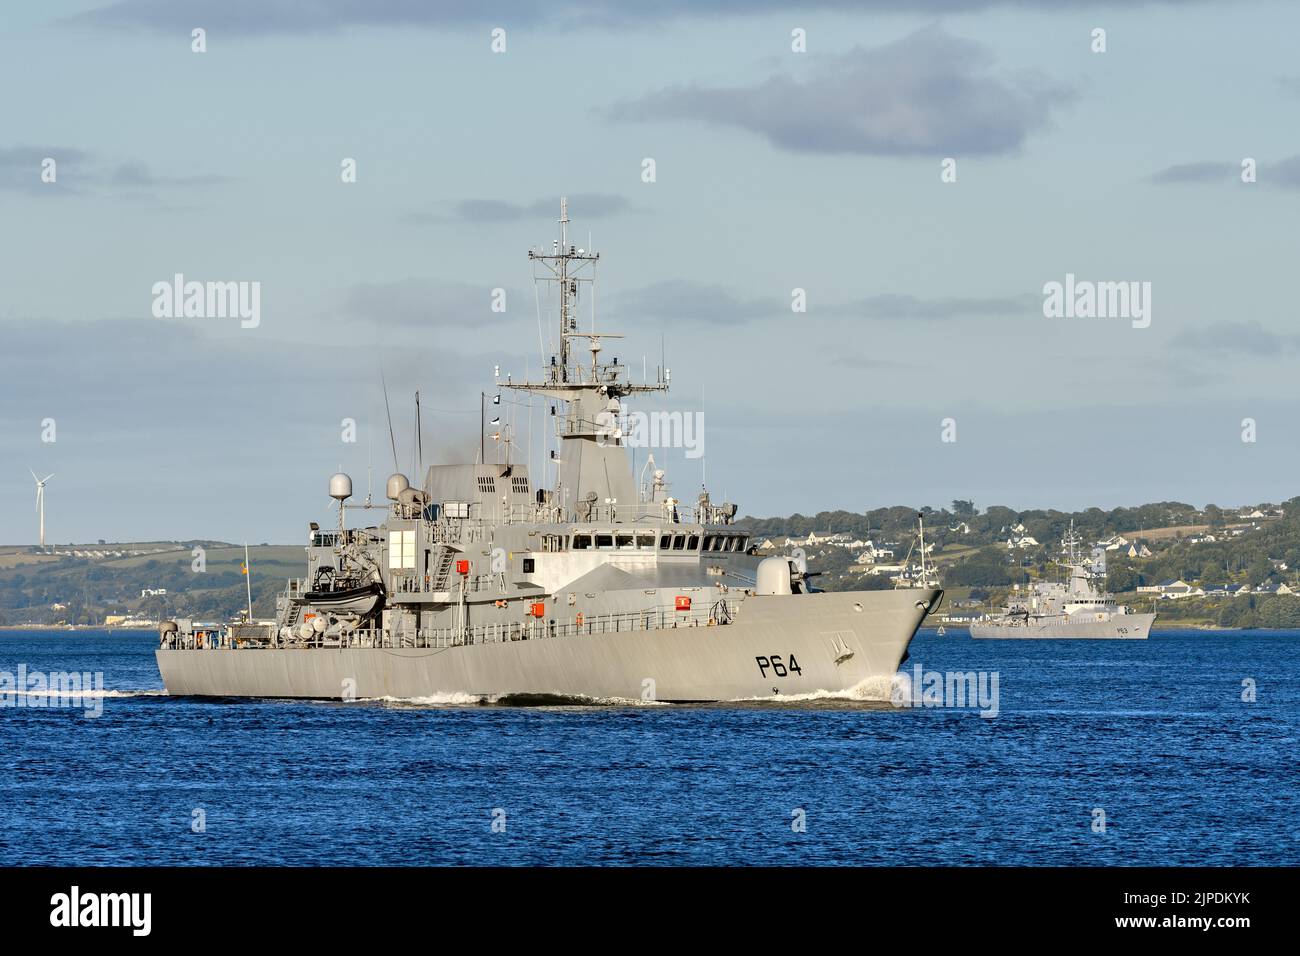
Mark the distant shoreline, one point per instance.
(75, 627)
(1171, 626)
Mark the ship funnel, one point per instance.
(340, 487)
(396, 485)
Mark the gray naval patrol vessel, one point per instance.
(481, 583)
(1075, 608)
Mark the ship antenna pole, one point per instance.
(920, 522)
(392, 439)
(419, 437)
(564, 283)
(248, 582)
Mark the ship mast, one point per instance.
(1070, 545)
(568, 267)
(593, 462)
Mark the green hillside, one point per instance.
(82, 584)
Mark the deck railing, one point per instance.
(720, 614)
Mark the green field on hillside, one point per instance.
(58, 585)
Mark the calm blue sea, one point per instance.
(1153, 733)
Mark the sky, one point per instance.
(794, 146)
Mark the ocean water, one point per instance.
(1154, 734)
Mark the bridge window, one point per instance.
(581, 542)
(645, 541)
(678, 542)
(665, 542)
(604, 541)
(626, 541)
(693, 542)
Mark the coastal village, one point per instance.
(884, 557)
(1216, 556)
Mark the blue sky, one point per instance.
(775, 170)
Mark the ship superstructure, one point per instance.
(1077, 607)
(482, 582)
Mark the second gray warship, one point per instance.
(1074, 608)
(482, 584)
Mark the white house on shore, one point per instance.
(1172, 590)
(873, 554)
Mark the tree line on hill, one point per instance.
(992, 524)
(990, 563)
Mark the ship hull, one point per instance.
(1125, 627)
(841, 641)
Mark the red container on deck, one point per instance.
(539, 610)
(683, 602)
(462, 567)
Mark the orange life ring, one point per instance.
(579, 619)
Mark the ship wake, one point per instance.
(877, 689)
(461, 699)
(57, 693)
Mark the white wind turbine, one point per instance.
(40, 501)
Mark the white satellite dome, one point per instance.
(396, 485)
(340, 487)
